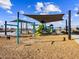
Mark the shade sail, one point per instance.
(47, 18)
(21, 21)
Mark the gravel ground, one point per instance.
(44, 47)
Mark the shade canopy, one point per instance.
(21, 21)
(47, 18)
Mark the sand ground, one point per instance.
(44, 47)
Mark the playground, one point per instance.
(42, 29)
(43, 42)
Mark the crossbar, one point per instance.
(10, 25)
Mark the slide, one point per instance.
(39, 30)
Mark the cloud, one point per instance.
(76, 8)
(43, 13)
(10, 12)
(5, 4)
(1, 22)
(46, 7)
(21, 12)
(24, 18)
(52, 8)
(13, 17)
(57, 24)
(76, 15)
(39, 6)
(28, 6)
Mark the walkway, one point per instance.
(76, 37)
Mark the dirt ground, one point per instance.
(44, 47)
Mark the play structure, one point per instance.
(18, 31)
(53, 18)
(42, 28)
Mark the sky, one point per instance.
(9, 9)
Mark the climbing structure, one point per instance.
(43, 29)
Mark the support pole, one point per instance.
(66, 27)
(21, 27)
(69, 25)
(26, 28)
(34, 29)
(5, 28)
(17, 40)
(44, 26)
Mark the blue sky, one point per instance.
(9, 8)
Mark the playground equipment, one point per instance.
(26, 22)
(45, 19)
(6, 24)
(39, 29)
(69, 25)
(17, 29)
(43, 29)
